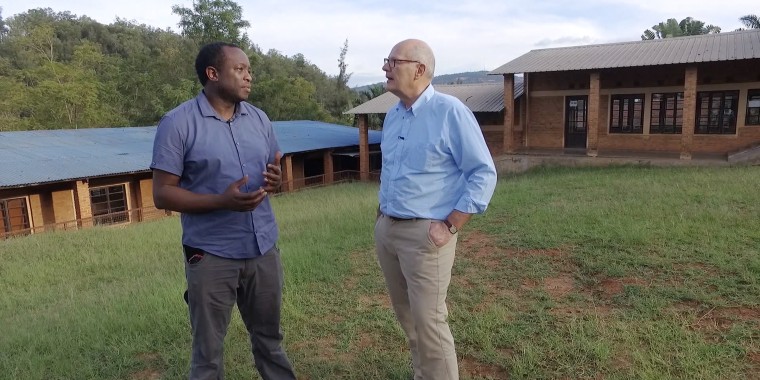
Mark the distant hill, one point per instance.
(458, 78)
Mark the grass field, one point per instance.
(613, 273)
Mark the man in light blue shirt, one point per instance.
(437, 172)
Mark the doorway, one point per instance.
(576, 121)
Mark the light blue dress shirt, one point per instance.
(435, 160)
(209, 154)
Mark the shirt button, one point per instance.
(243, 165)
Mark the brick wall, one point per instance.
(547, 103)
(63, 206)
(546, 129)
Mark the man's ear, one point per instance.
(421, 69)
(212, 74)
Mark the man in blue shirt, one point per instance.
(437, 172)
(215, 160)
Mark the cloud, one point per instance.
(465, 35)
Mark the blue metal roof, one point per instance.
(33, 157)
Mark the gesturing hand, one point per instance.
(273, 175)
(237, 200)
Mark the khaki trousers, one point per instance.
(417, 274)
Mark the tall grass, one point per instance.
(618, 273)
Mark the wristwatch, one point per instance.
(452, 228)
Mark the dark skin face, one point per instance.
(230, 83)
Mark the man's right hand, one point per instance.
(237, 200)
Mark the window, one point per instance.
(109, 204)
(667, 113)
(627, 114)
(753, 108)
(716, 112)
(14, 217)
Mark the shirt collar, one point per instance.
(208, 111)
(421, 101)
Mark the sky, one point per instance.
(465, 35)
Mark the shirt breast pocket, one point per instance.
(424, 157)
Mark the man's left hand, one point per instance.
(439, 234)
(273, 175)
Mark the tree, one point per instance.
(3, 27)
(342, 79)
(750, 21)
(213, 20)
(673, 28)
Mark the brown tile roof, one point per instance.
(691, 49)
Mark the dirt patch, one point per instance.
(473, 368)
(713, 322)
(149, 373)
(754, 359)
(482, 249)
(481, 246)
(375, 300)
(146, 374)
(610, 287)
(558, 287)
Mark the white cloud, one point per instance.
(465, 35)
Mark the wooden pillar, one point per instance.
(329, 170)
(689, 111)
(287, 168)
(593, 117)
(363, 147)
(82, 203)
(509, 114)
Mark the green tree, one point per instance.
(287, 98)
(70, 95)
(213, 20)
(3, 27)
(673, 28)
(750, 21)
(343, 76)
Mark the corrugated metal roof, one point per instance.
(479, 97)
(32, 157)
(667, 51)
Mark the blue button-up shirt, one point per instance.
(208, 154)
(435, 160)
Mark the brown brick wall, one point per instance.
(63, 206)
(35, 211)
(548, 92)
(546, 127)
(82, 202)
(146, 193)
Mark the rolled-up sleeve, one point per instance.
(474, 159)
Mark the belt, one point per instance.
(397, 219)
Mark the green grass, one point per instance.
(615, 273)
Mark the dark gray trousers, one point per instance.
(214, 285)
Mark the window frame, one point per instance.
(113, 209)
(715, 116)
(658, 116)
(748, 116)
(625, 114)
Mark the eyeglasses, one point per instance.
(392, 62)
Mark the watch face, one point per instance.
(453, 229)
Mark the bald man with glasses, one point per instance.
(437, 172)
